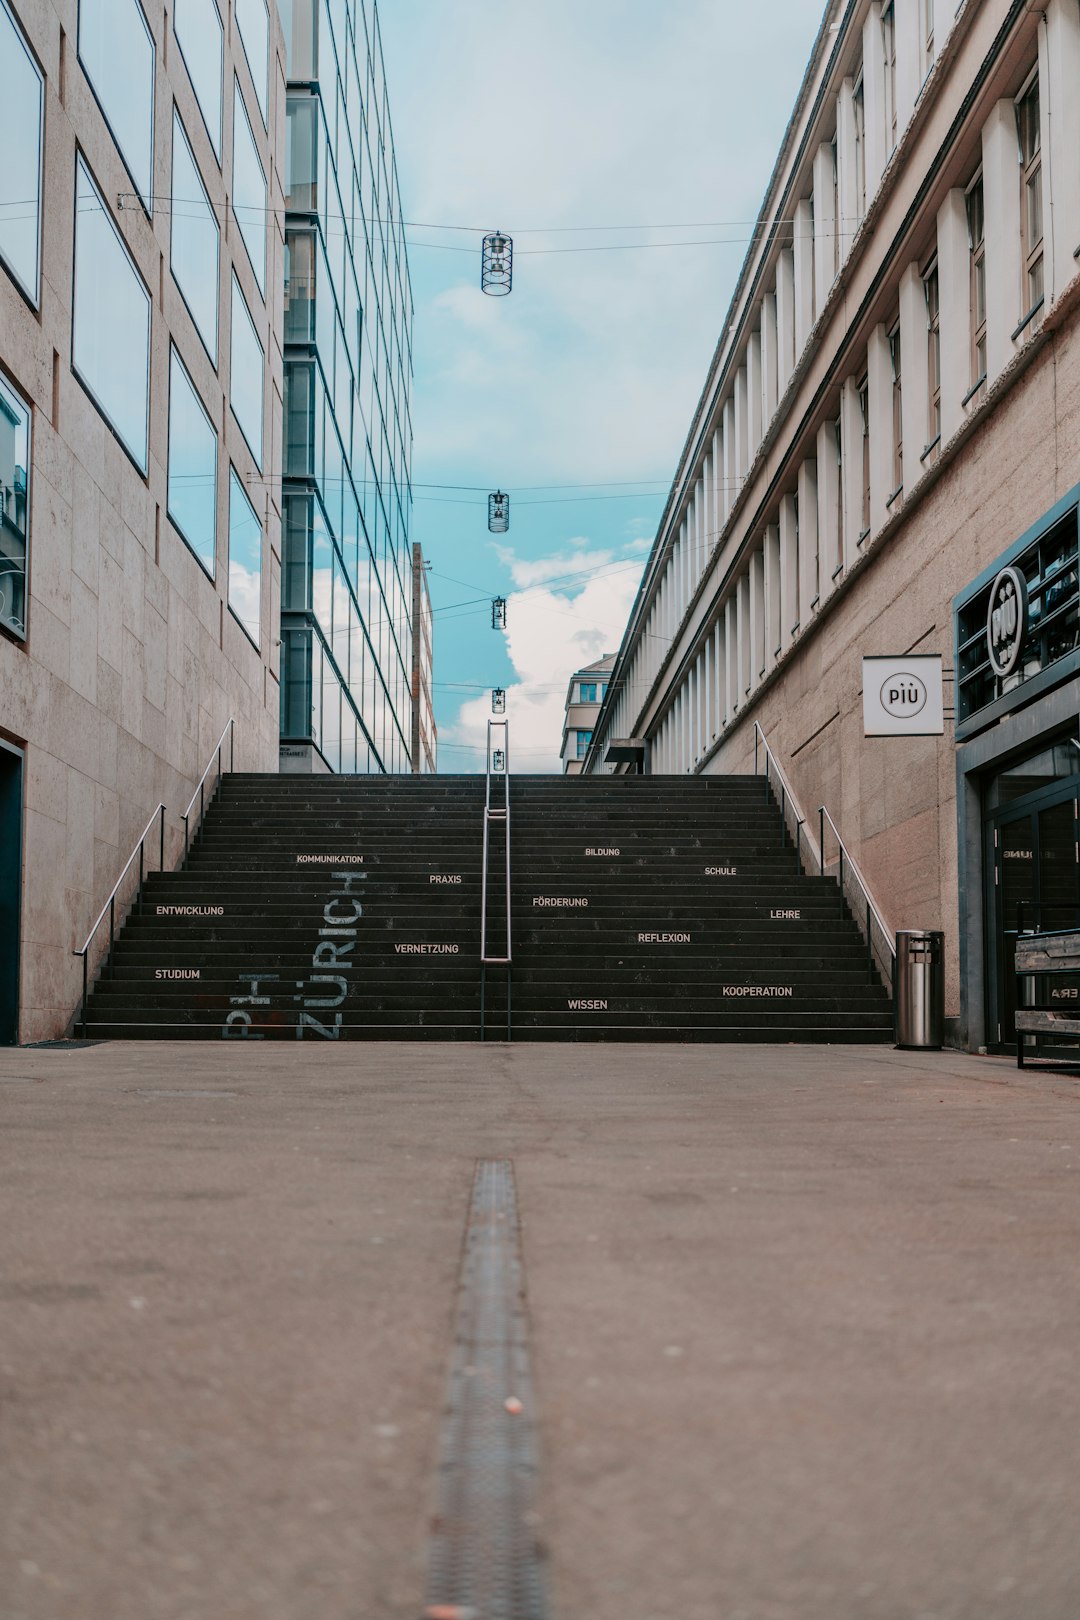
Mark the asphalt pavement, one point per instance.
(804, 1327)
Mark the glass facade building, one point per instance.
(346, 695)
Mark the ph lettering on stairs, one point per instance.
(721, 871)
(189, 911)
(178, 973)
(428, 950)
(783, 915)
(603, 852)
(587, 1006)
(445, 877)
(663, 939)
(549, 900)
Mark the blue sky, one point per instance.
(566, 124)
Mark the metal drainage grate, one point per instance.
(485, 1560)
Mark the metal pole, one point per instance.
(755, 748)
(141, 848)
(841, 877)
(161, 843)
(783, 814)
(232, 745)
(84, 995)
(483, 1019)
(821, 835)
(869, 948)
(112, 920)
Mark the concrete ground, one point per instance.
(805, 1327)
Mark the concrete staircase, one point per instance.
(643, 908)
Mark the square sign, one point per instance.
(902, 697)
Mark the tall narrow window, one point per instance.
(253, 25)
(888, 42)
(863, 389)
(249, 189)
(202, 45)
(110, 327)
(116, 49)
(246, 374)
(858, 107)
(977, 279)
(836, 433)
(194, 240)
(926, 34)
(14, 507)
(21, 119)
(1031, 210)
(897, 414)
(834, 175)
(245, 560)
(933, 353)
(192, 481)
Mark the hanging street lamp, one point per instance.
(497, 265)
(498, 512)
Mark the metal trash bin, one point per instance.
(919, 989)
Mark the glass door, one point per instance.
(1032, 842)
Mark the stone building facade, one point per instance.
(890, 421)
(141, 286)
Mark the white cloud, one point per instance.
(550, 633)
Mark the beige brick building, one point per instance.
(141, 286)
(892, 419)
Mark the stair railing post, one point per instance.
(869, 947)
(783, 813)
(112, 921)
(140, 899)
(161, 842)
(841, 877)
(232, 745)
(755, 748)
(821, 836)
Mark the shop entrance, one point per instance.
(11, 774)
(1031, 830)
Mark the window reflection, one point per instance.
(245, 559)
(194, 242)
(192, 500)
(246, 374)
(21, 98)
(117, 51)
(249, 189)
(14, 507)
(202, 44)
(254, 26)
(110, 341)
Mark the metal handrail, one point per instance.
(494, 813)
(199, 793)
(864, 908)
(787, 798)
(110, 904)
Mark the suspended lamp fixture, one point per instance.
(498, 512)
(497, 265)
(498, 613)
(498, 700)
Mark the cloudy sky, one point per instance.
(598, 135)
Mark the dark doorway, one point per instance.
(11, 791)
(1032, 840)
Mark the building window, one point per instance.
(858, 107)
(1031, 210)
(245, 560)
(201, 38)
(888, 42)
(22, 104)
(897, 414)
(977, 279)
(836, 516)
(192, 484)
(246, 374)
(253, 24)
(116, 49)
(110, 336)
(863, 390)
(933, 353)
(194, 241)
(587, 692)
(249, 189)
(14, 507)
(926, 34)
(834, 178)
(584, 738)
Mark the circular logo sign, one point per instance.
(903, 695)
(1006, 620)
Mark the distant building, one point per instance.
(584, 696)
(423, 709)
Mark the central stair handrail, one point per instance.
(494, 812)
(880, 941)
